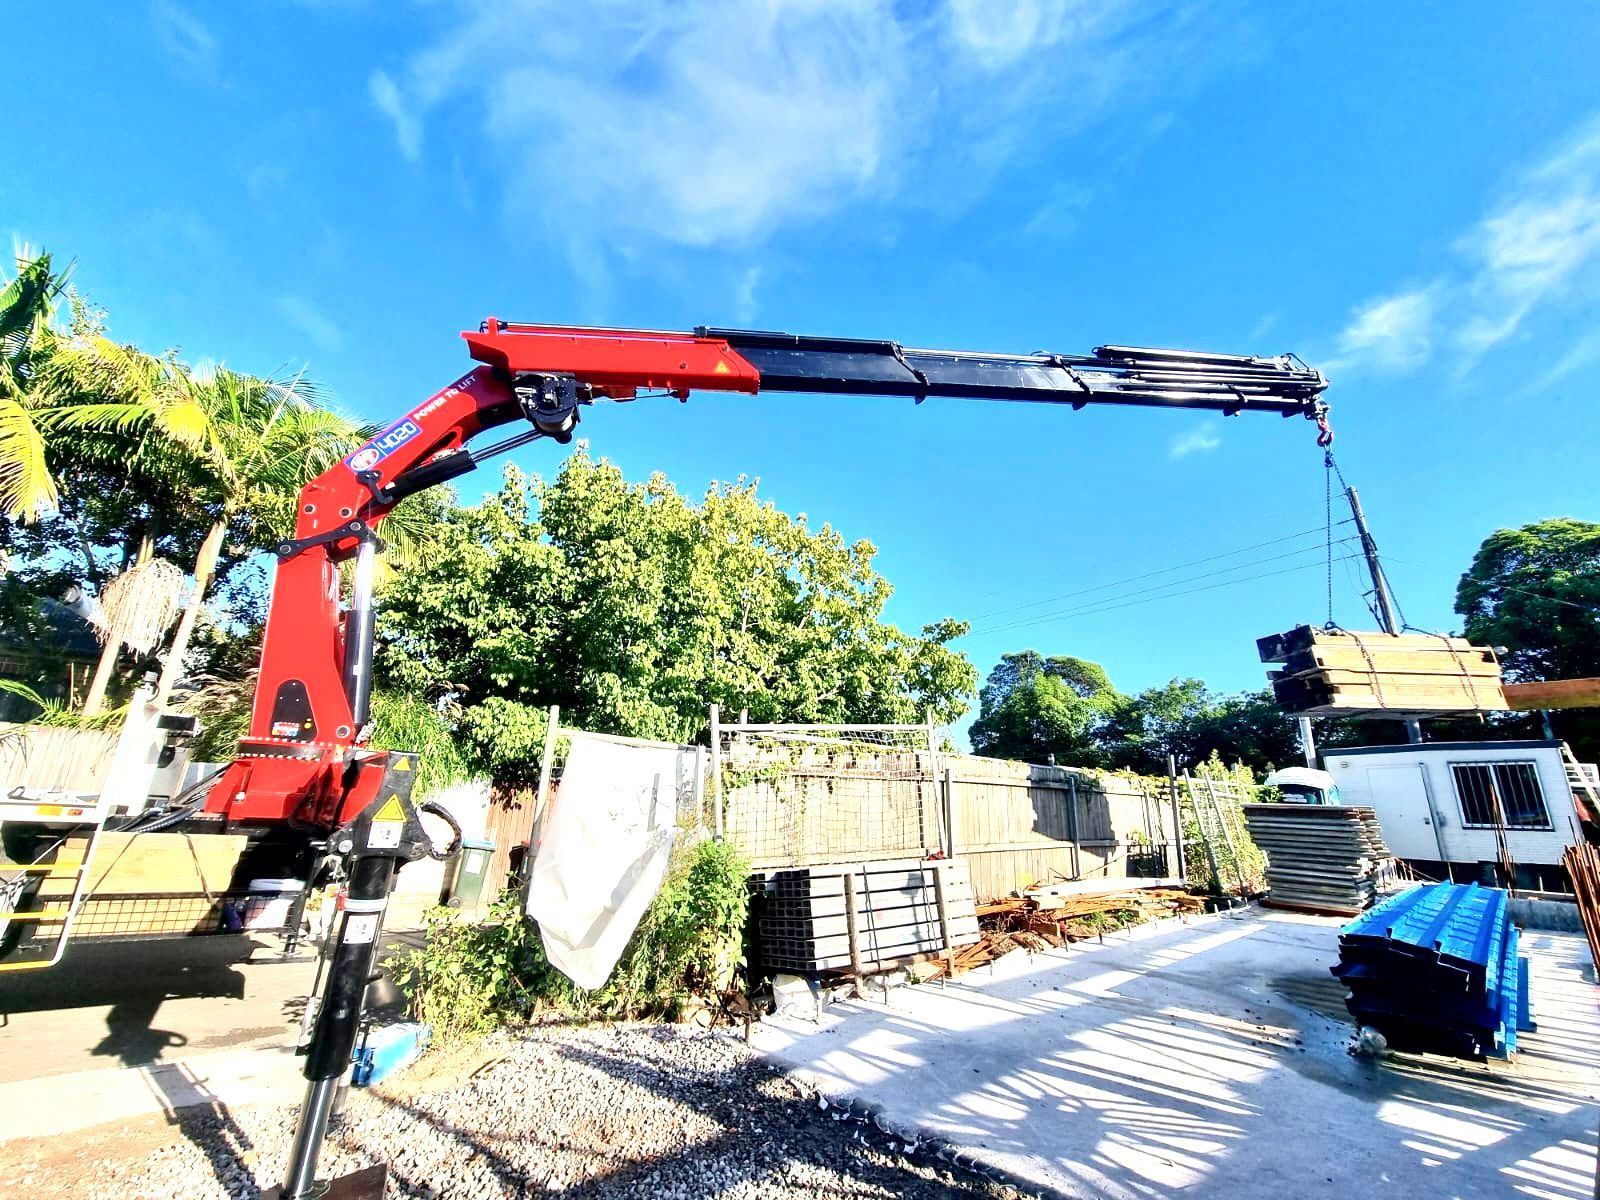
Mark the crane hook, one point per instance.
(1324, 430)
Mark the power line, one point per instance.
(1100, 587)
(1506, 587)
(1588, 608)
(1096, 610)
(1166, 584)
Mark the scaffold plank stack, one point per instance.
(1321, 857)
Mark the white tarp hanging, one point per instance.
(604, 847)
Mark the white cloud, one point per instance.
(311, 321)
(407, 128)
(184, 37)
(1202, 439)
(1265, 325)
(744, 296)
(1058, 216)
(706, 124)
(1539, 246)
(1394, 333)
(999, 35)
(1582, 353)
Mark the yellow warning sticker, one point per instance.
(402, 763)
(392, 810)
(721, 368)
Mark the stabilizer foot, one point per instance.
(365, 1184)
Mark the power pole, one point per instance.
(1387, 616)
(1308, 741)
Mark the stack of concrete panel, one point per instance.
(1436, 968)
(1326, 858)
(860, 916)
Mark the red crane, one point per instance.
(303, 776)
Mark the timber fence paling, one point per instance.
(48, 758)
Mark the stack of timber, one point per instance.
(1321, 857)
(1583, 868)
(861, 916)
(1554, 693)
(1339, 671)
(1046, 918)
(1436, 969)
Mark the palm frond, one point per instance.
(28, 298)
(27, 489)
(99, 417)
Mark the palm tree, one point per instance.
(211, 440)
(27, 312)
(264, 440)
(247, 445)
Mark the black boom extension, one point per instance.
(1226, 383)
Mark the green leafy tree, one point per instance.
(1032, 708)
(633, 607)
(1158, 722)
(1536, 592)
(1185, 719)
(1251, 729)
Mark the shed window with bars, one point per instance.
(1516, 784)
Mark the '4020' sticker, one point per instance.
(385, 444)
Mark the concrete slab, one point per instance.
(1210, 1058)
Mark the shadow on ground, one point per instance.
(1211, 1059)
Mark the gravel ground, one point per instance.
(624, 1111)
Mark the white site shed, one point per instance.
(1436, 801)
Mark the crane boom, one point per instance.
(751, 360)
(313, 692)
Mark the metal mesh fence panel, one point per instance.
(797, 795)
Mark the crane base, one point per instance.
(365, 1184)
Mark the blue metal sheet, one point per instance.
(1437, 968)
(1525, 1021)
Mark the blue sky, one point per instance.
(1407, 196)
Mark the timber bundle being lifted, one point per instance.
(1348, 673)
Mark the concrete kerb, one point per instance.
(59, 1105)
(1553, 916)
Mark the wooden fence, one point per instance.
(51, 759)
(1014, 823)
(1017, 823)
